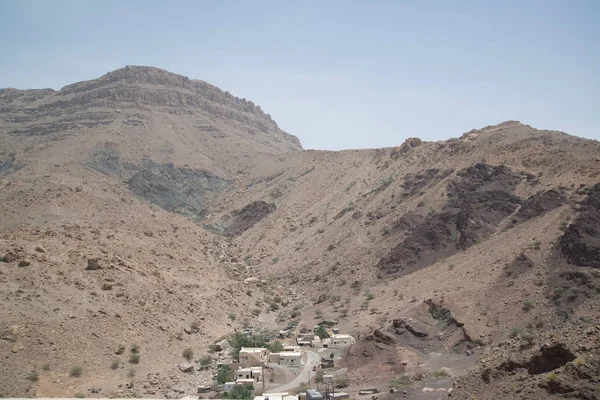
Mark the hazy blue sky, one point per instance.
(338, 74)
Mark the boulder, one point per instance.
(40, 249)
(223, 344)
(107, 286)
(24, 263)
(9, 257)
(93, 264)
(186, 367)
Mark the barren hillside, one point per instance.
(134, 206)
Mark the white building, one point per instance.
(290, 358)
(253, 356)
(252, 373)
(340, 340)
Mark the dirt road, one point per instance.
(312, 359)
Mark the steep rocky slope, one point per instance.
(204, 216)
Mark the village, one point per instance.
(291, 367)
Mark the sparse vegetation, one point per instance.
(205, 361)
(370, 296)
(275, 260)
(131, 372)
(188, 353)
(46, 367)
(342, 381)
(515, 332)
(120, 350)
(421, 203)
(232, 316)
(115, 363)
(528, 305)
(402, 380)
(319, 314)
(537, 245)
(441, 373)
(135, 348)
(134, 358)
(76, 371)
(579, 361)
(79, 395)
(552, 376)
(33, 376)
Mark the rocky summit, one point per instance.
(145, 217)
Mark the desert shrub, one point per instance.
(76, 371)
(195, 326)
(528, 305)
(514, 332)
(134, 358)
(421, 203)
(46, 367)
(451, 266)
(319, 377)
(256, 312)
(115, 363)
(402, 380)
(370, 296)
(205, 361)
(275, 260)
(528, 337)
(120, 350)
(319, 314)
(33, 376)
(552, 376)
(131, 372)
(344, 313)
(579, 361)
(537, 245)
(231, 316)
(79, 395)
(441, 373)
(135, 348)
(212, 348)
(342, 381)
(188, 353)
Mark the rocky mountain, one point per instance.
(144, 208)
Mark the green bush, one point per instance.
(552, 376)
(321, 332)
(225, 374)
(239, 393)
(76, 371)
(275, 347)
